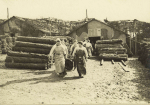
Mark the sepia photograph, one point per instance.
(74, 52)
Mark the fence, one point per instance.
(135, 46)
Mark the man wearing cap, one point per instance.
(59, 56)
(84, 42)
(89, 48)
(80, 53)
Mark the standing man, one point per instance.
(89, 48)
(75, 44)
(80, 53)
(65, 47)
(59, 54)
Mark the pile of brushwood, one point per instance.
(111, 50)
(30, 53)
(7, 43)
(144, 52)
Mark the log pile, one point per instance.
(144, 52)
(111, 50)
(30, 53)
(6, 43)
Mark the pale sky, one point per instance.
(76, 9)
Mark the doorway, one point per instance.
(93, 41)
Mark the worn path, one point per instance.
(102, 84)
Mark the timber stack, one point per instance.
(30, 53)
(111, 50)
(6, 43)
(144, 52)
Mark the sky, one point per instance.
(74, 10)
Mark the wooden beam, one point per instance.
(122, 61)
(123, 68)
(112, 61)
(101, 62)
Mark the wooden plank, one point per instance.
(123, 62)
(123, 68)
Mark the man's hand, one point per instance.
(65, 56)
(86, 59)
(72, 57)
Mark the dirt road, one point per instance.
(102, 84)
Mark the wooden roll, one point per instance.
(41, 66)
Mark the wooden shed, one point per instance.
(96, 30)
(26, 27)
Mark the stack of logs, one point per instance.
(111, 50)
(144, 52)
(30, 53)
(7, 43)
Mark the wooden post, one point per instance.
(7, 13)
(49, 26)
(123, 62)
(134, 28)
(123, 68)
(101, 62)
(129, 38)
(112, 61)
(130, 43)
(9, 28)
(135, 44)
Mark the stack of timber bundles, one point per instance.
(144, 53)
(6, 43)
(30, 53)
(111, 50)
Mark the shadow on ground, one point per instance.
(38, 72)
(142, 79)
(2, 65)
(52, 78)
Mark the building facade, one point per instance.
(96, 30)
(22, 26)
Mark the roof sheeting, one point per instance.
(100, 22)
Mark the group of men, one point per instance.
(86, 43)
(79, 51)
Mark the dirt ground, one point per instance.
(102, 84)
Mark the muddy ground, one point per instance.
(102, 84)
